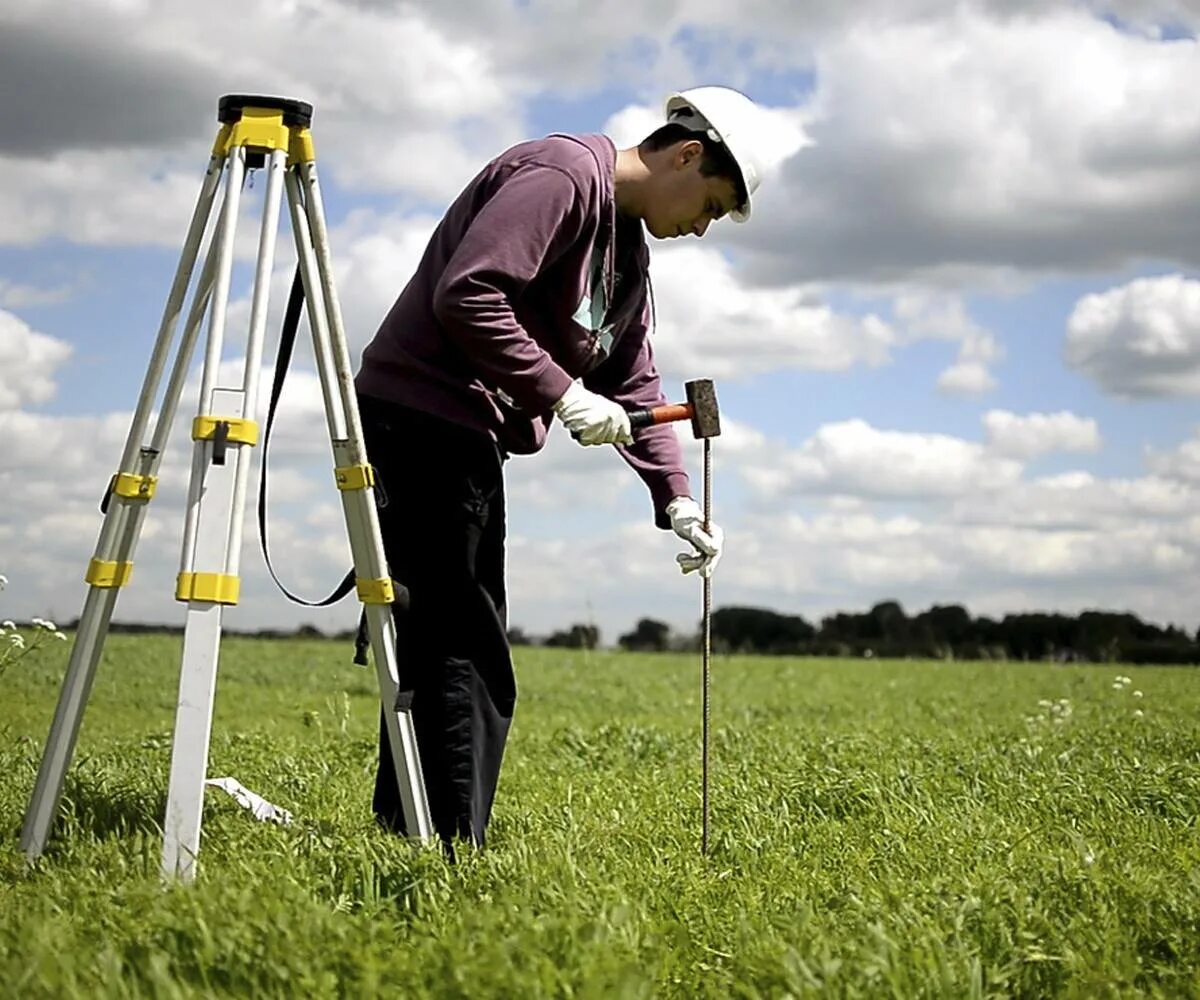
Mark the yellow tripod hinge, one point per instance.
(131, 487)
(375, 591)
(301, 150)
(108, 574)
(354, 477)
(264, 129)
(240, 431)
(215, 587)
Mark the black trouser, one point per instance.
(441, 511)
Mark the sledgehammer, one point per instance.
(700, 408)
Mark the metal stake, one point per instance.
(706, 650)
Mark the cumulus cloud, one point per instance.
(708, 320)
(832, 560)
(854, 458)
(1181, 464)
(959, 146)
(1141, 339)
(1026, 437)
(966, 378)
(924, 314)
(1077, 501)
(110, 160)
(28, 361)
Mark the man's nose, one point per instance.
(700, 226)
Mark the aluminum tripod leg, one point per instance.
(212, 541)
(355, 481)
(112, 562)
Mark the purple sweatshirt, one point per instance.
(519, 293)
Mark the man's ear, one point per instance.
(688, 151)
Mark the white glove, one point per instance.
(592, 419)
(687, 521)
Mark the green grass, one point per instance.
(879, 829)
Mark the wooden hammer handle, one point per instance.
(660, 415)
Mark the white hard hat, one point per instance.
(730, 118)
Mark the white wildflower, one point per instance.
(17, 640)
(1118, 686)
(60, 636)
(1137, 694)
(1138, 713)
(8, 624)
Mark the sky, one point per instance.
(956, 348)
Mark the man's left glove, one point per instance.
(687, 521)
(593, 419)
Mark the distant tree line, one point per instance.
(942, 632)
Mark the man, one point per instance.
(531, 303)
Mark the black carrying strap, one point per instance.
(287, 341)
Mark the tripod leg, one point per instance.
(112, 560)
(208, 579)
(355, 481)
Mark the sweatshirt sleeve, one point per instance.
(534, 215)
(630, 378)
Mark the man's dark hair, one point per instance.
(716, 161)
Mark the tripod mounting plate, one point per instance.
(295, 113)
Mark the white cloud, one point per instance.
(926, 314)
(1077, 501)
(967, 143)
(1181, 464)
(14, 295)
(28, 361)
(1026, 437)
(1141, 339)
(1152, 15)
(854, 458)
(966, 378)
(710, 321)
(401, 105)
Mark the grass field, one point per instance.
(879, 829)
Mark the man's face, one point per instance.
(683, 200)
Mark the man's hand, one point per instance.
(592, 419)
(687, 521)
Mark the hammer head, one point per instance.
(706, 418)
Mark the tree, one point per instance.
(648, 636)
(576, 637)
(756, 630)
(889, 621)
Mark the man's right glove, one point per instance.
(591, 418)
(687, 521)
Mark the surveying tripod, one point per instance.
(255, 132)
